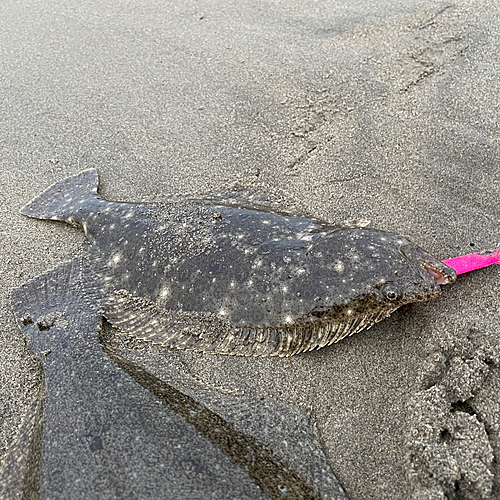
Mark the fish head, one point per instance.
(417, 277)
(378, 272)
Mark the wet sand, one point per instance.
(386, 112)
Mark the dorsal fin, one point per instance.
(210, 333)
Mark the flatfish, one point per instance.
(238, 277)
(104, 427)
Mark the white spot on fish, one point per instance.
(305, 237)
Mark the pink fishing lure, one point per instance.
(473, 261)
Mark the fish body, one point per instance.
(106, 427)
(236, 279)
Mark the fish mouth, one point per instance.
(439, 271)
(443, 274)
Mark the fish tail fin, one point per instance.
(63, 201)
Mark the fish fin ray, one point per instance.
(145, 320)
(207, 332)
(58, 202)
(252, 196)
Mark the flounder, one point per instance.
(236, 277)
(104, 426)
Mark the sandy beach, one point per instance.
(381, 111)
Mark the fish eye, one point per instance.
(391, 295)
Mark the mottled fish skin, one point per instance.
(247, 281)
(103, 427)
